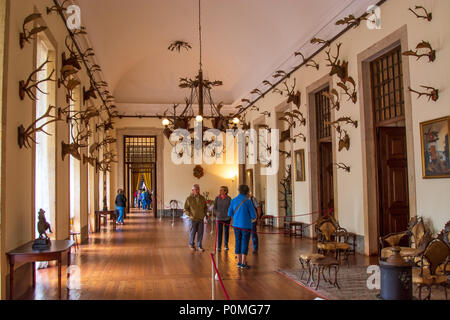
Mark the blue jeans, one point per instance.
(242, 241)
(254, 236)
(121, 213)
(196, 228)
(220, 228)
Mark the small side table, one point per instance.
(74, 236)
(296, 229)
(269, 220)
(319, 266)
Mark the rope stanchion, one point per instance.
(220, 280)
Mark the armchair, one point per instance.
(418, 237)
(433, 261)
(329, 238)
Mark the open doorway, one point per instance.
(324, 159)
(388, 105)
(140, 171)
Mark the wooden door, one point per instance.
(393, 180)
(326, 197)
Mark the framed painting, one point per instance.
(299, 157)
(435, 150)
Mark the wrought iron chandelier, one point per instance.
(200, 94)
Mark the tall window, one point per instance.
(387, 87)
(45, 148)
(75, 169)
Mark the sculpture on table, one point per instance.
(43, 242)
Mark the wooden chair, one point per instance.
(418, 237)
(332, 238)
(445, 237)
(433, 261)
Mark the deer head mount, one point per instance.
(26, 136)
(26, 87)
(91, 160)
(352, 21)
(343, 166)
(431, 54)
(285, 153)
(105, 164)
(266, 114)
(178, 45)
(78, 141)
(308, 62)
(337, 67)
(89, 94)
(344, 120)
(105, 125)
(433, 93)
(334, 98)
(320, 41)
(294, 97)
(293, 117)
(428, 15)
(350, 92)
(27, 35)
(70, 85)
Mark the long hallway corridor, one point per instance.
(149, 259)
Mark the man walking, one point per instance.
(196, 209)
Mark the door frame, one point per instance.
(368, 138)
(313, 153)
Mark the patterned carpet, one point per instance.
(353, 283)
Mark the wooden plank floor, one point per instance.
(149, 259)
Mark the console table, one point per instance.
(26, 254)
(104, 214)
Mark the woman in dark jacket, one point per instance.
(121, 203)
(221, 205)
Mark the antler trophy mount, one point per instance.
(27, 35)
(26, 87)
(338, 67)
(27, 136)
(78, 141)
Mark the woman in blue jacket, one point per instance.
(243, 214)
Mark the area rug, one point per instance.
(353, 283)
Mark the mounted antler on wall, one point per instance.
(321, 41)
(279, 74)
(346, 120)
(432, 95)
(78, 141)
(334, 98)
(352, 21)
(431, 54)
(294, 97)
(266, 114)
(309, 62)
(57, 8)
(26, 87)
(88, 94)
(178, 45)
(258, 92)
(26, 135)
(350, 92)
(428, 15)
(106, 125)
(342, 166)
(337, 67)
(300, 135)
(27, 35)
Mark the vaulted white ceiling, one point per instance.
(244, 41)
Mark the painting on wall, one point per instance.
(300, 165)
(435, 148)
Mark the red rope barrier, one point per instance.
(220, 278)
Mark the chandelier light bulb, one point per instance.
(236, 121)
(199, 118)
(165, 122)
